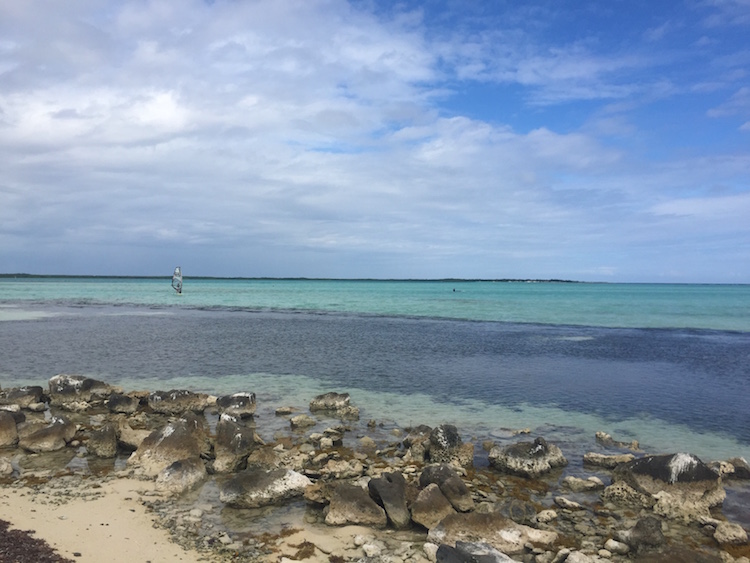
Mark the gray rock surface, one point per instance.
(256, 487)
(527, 459)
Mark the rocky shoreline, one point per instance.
(329, 487)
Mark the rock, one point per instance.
(520, 511)
(445, 446)
(103, 442)
(606, 440)
(579, 557)
(131, 438)
(181, 476)
(498, 531)
(177, 401)
(353, 505)
(567, 504)
(608, 461)
(8, 430)
(741, 468)
(6, 467)
(302, 421)
(389, 491)
(336, 404)
(728, 533)
(50, 438)
(417, 443)
(647, 533)
(616, 547)
(682, 486)
(451, 485)
(256, 487)
(343, 469)
(183, 439)
(578, 485)
(528, 459)
(24, 397)
(240, 405)
(125, 404)
(430, 507)
(234, 443)
(77, 392)
(471, 552)
(623, 494)
(546, 516)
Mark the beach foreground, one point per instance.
(106, 475)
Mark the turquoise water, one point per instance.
(714, 307)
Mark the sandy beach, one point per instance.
(108, 523)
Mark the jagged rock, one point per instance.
(342, 469)
(24, 397)
(646, 534)
(389, 491)
(431, 506)
(181, 476)
(498, 531)
(8, 430)
(353, 505)
(578, 485)
(528, 459)
(182, 439)
(451, 485)
(50, 438)
(445, 445)
(77, 392)
(623, 494)
(240, 405)
(103, 442)
(607, 461)
(234, 443)
(125, 404)
(471, 552)
(681, 484)
(256, 487)
(728, 533)
(336, 404)
(177, 401)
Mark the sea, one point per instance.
(666, 365)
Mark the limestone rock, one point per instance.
(24, 397)
(471, 552)
(431, 506)
(103, 442)
(728, 533)
(607, 461)
(741, 468)
(445, 446)
(302, 421)
(256, 487)
(606, 440)
(389, 491)
(578, 485)
(181, 476)
(498, 531)
(6, 467)
(528, 459)
(177, 440)
(177, 401)
(353, 505)
(240, 405)
(50, 438)
(77, 392)
(682, 486)
(8, 430)
(614, 546)
(334, 404)
(451, 485)
(120, 403)
(129, 437)
(234, 442)
(647, 533)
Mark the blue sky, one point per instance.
(601, 141)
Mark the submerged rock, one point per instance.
(335, 404)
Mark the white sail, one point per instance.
(177, 280)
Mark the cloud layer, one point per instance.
(326, 138)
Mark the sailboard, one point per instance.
(177, 280)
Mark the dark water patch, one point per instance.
(699, 379)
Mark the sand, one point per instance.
(113, 527)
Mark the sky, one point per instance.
(587, 140)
